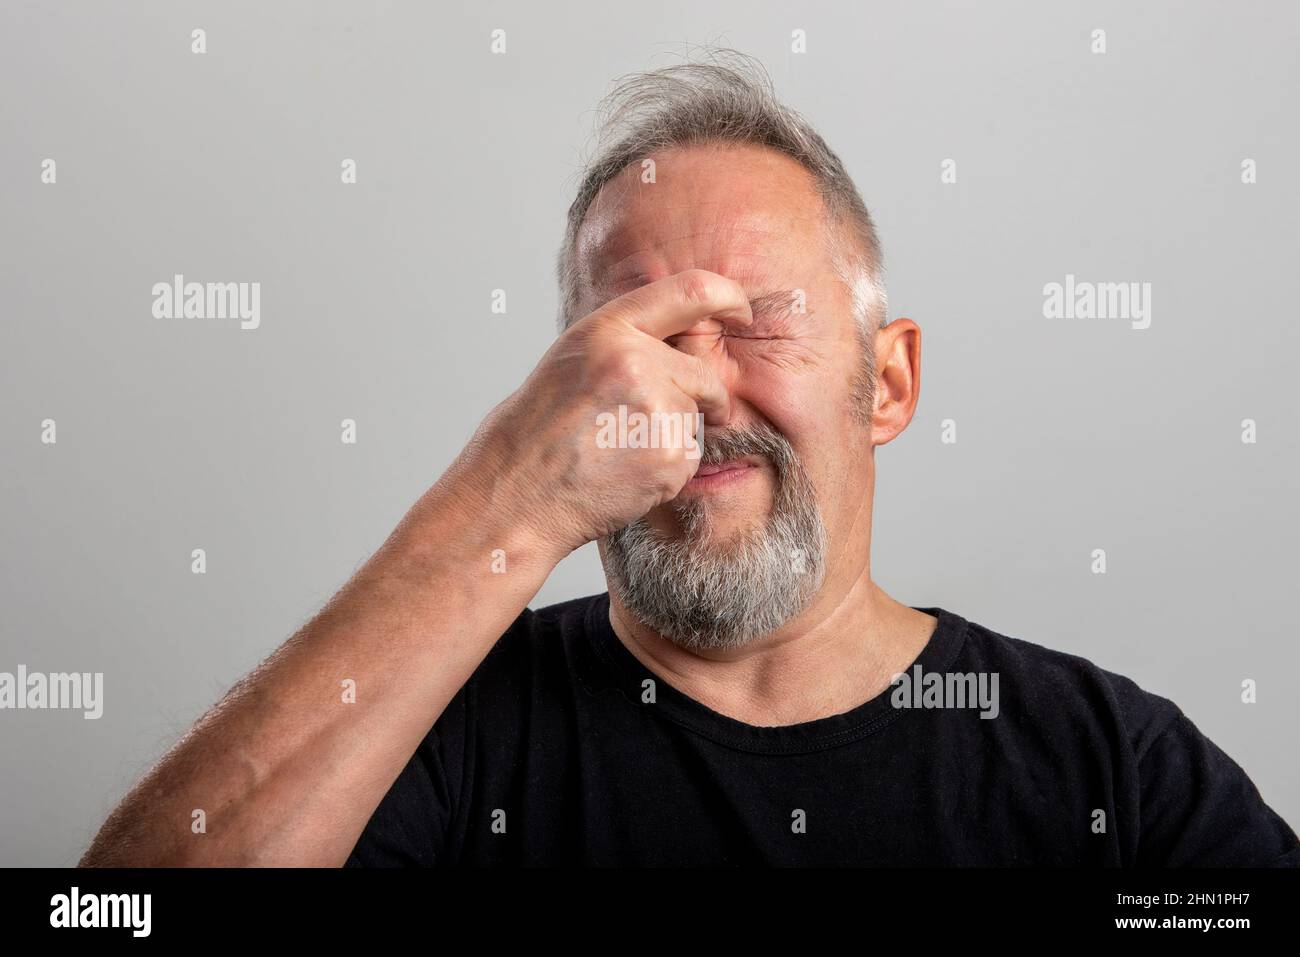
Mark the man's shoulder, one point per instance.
(572, 617)
(1039, 682)
(541, 638)
(1196, 805)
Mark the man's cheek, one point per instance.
(792, 404)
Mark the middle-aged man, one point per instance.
(732, 699)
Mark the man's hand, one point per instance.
(540, 443)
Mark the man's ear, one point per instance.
(898, 379)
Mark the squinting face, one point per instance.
(754, 216)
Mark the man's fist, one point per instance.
(542, 444)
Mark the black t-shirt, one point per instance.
(556, 752)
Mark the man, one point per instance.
(732, 700)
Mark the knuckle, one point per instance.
(619, 366)
(667, 456)
(627, 368)
(696, 286)
(667, 487)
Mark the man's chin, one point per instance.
(701, 528)
(715, 542)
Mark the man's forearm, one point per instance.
(285, 769)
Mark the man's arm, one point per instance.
(285, 772)
(288, 774)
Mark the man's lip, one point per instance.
(721, 475)
(727, 466)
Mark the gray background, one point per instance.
(177, 434)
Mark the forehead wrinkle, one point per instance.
(748, 268)
(609, 243)
(604, 230)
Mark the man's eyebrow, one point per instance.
(770, 302)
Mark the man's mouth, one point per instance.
(723, 467)
(720, 474)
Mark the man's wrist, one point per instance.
(474, 519)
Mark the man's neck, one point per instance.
(843, 650)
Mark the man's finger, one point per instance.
(674, 304)
(697, 379)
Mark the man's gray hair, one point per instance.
(727, 98)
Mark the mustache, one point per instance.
(755, 439)
(702, 593)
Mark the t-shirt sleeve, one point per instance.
(420, 821)
(410, 826)
(1200, 809)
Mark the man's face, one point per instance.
(755, 216)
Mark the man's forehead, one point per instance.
(615, 231)
(749, 246)
(732, 209)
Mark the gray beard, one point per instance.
(705, 595)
